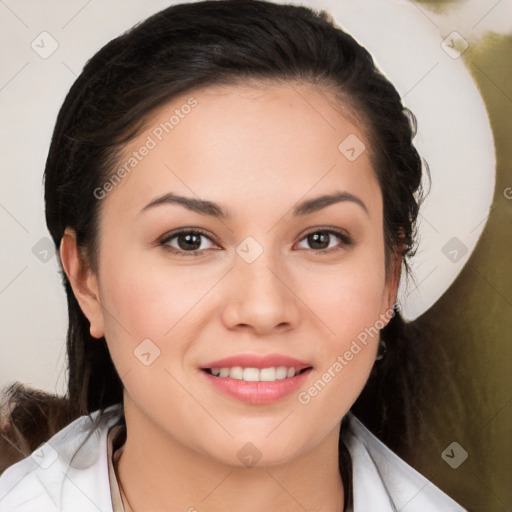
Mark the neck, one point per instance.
(182, 479)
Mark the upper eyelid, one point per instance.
(173, 234)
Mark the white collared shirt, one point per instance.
(63, 476)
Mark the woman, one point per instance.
(233, 191)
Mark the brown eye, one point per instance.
(185, 242)
(190, 241)
(321, 240)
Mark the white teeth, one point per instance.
(237, 372)
(268, 374)
(281, 372)
(251, 374)
(256, 374)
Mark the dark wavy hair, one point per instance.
(197, 45)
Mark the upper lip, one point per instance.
(258, 361)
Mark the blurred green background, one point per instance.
(469, 328)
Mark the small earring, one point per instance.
(382, 349)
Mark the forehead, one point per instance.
(233, 142)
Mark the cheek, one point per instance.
(349, 307)
(347, 300)
(145, 300)
(144, 331)
(138, 305)
(346, 297)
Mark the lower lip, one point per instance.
(257, 392)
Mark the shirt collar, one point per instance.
(115, 438)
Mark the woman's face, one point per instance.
(268, 284)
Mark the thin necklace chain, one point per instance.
(120, 485)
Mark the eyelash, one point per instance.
(343, 236)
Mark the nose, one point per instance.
(261, 297)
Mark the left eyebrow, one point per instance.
(313, 205)
(205, 207)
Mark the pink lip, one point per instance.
(257, 392)
(256, 361)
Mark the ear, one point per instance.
(393, 279)
(83, 282)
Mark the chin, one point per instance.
(260, 451)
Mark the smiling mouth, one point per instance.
(270, 374)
